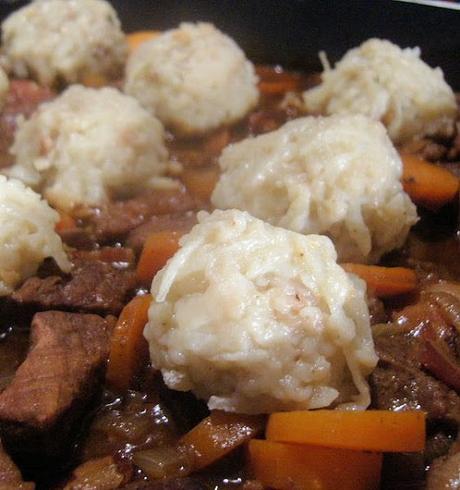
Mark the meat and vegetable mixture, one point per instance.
(219, 275)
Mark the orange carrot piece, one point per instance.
(135, 39)
(278, 87)
(66, 222)
(126, 342)
(217, 435)
(95, 80)
(384, 281)
(158, 248)
(429, 185)
(200, 182)
(369, 430)
(218, 141)
(297, 467)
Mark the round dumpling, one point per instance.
(337, 175)
(194, 78)
(27, 234)
(56, 41)
(255, 319)
(4, 87)
(87, 146)
(389, 84)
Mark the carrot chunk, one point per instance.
(384, 281)
(217, 435)
(289, 466)
(200, 182)
(429, 185)
(94, 80)
(158, 248)
(370, 430)
(126, 342)
(66, 222)
(135, 39)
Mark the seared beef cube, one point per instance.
(58, 378)
(116, 219)
(10, 476)
(99, 282)
(410, 389)
(400, 381)
(444, 474)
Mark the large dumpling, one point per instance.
(388, 84)
(255, 319)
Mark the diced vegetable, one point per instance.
(369, 430)
(94, 80)
(279, 82)
(429, 185)
(158, 248)
(217, 435)
(66, 222)
(297, 467)
(163, 462)
(101, 473)
(135, 39)
(200, 182)
(126, 342)
(385, 281)
(218, 141)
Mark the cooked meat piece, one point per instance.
(169, 222)
(59, 376)
(10, 476)
(23, 98)
(404, 388)
(100, 282)
(116, 219)
(445, 473)
(399, 381)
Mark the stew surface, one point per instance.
(125, 436)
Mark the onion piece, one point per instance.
(440, 363)
(163, 462)
(447, 296)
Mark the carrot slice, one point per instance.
(95, 80)
(66, 222)
(290, 466)
(126, 342)
(135, 39)
(384, 281)
(217, 435)
(200, 182)
(370, 430)
(158, 248)
(429, 185)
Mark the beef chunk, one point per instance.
(116, 219)
(169, 222)
(100, 282)
(10, 476)
(22, 100)
(404, 388)
(400, 380)
(59, 376)
(445, 473)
